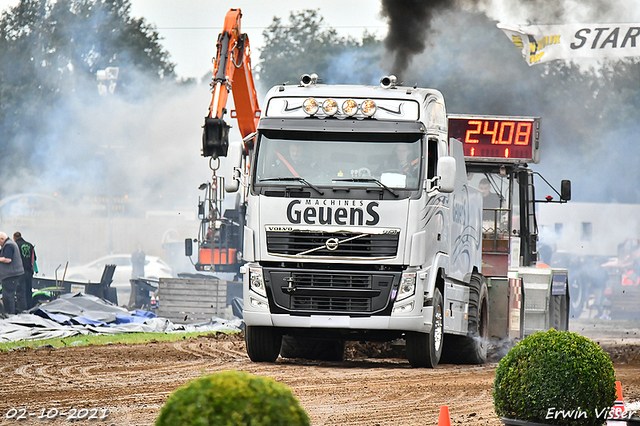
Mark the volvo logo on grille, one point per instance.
(332, 244)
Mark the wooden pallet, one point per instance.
(191, 300)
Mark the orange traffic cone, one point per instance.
(617, 410)
(443, 419)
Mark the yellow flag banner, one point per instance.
(544, 43)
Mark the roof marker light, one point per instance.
(330, 107)
(350, 107)
(310, 106)
(368, 107)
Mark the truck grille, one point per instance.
(319, 291)
(348, 244)
(329, 280)
(332, 304)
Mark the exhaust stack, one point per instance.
(308, 79)
(388, 82)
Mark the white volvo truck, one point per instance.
(360, 224)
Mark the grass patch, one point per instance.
(102, 339)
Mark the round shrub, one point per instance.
(555, 377)
(232, 398)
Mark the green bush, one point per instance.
(555, 377)
(232, 398)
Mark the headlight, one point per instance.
(407, 285)
(330, 107)
(403, 308)
(256, 282)
(368, 107)
(350, 107)
(260, 304)
(310, 106)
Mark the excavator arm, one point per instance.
(231, 72)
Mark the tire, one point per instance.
(263, 343)
(314, 349)
(472, 348)
(425, 350)
(558, 312)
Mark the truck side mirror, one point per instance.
(446, 174)
(565, 190)
(188, 247)
(234, 162)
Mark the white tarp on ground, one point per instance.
(76, 313)
(544, 43)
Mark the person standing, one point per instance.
(28, 254)
(137, 263)
(10, 272)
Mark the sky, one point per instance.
(190, 27)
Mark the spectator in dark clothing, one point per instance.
(28, 254)
(138, 259)
(10, 272)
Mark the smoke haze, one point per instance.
(413, 23)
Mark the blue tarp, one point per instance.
(77, 313)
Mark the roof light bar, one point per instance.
(330, 108)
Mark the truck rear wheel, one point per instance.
(424, 350)
(472, 348)
(315, 349)
(263, 343)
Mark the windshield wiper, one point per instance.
(395, 194)
(294, 179)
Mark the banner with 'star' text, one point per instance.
(544, 43)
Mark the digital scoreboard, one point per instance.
(497, 138)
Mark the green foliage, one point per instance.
(232, 398)
(101, 339)
(304, 47)
(556, 370)
(50, 52)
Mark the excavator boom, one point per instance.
(231, 72)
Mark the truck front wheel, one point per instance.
(263, 343)
(424, 350)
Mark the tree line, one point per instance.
(50, 52)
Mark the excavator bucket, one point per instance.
(215, 138)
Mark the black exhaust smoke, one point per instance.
(410, 21)
(409, 25)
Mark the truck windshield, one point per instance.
(339, 159)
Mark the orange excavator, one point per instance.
(221, 235)
(231, 72)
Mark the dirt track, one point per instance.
(132, 382)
